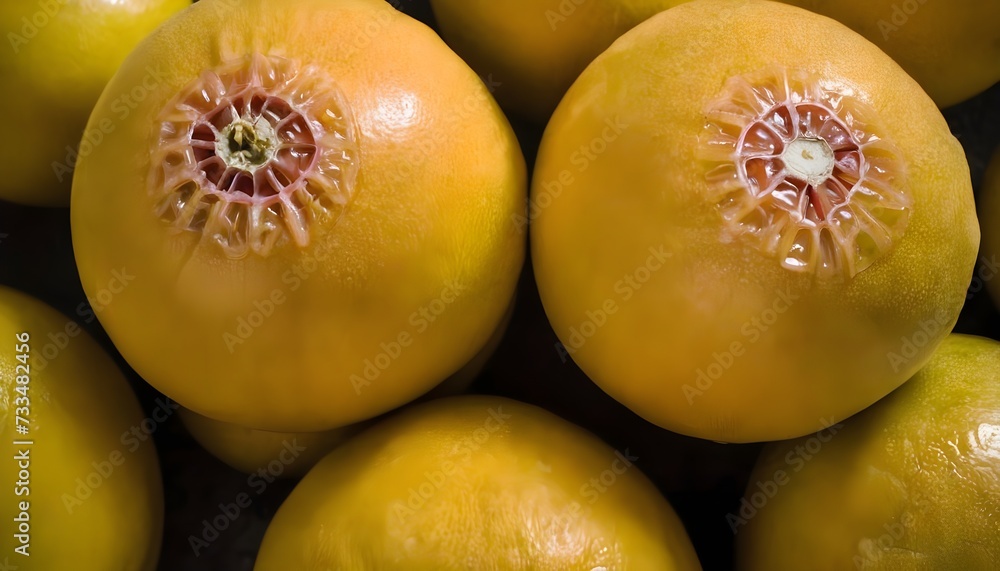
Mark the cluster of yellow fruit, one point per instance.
(747, 223)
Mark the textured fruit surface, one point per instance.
(317, 224)
(989, 213)
(951, 48)
(911, 483)
(532, 49)
(748, 235)
(61, 54)
(92, 487)
(476, 483)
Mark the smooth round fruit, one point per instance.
(951, 48)
(84, 493)
(533, 50)
(317, 225)
(989, 213)
(749, 236)
(911, 483)
(60, 56)
(476, 483)
(248, 450)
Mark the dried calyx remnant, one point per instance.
(796, 165)
(253, 153)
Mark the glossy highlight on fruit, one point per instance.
(911, 483)
(57, 58)
(84, 492)
(476, 483)
(317, 223)
(740, 237)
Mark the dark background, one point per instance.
(703, 480)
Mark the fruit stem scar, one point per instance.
(795, 163)
(254, 153)
(247, 144)
(809, 159)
